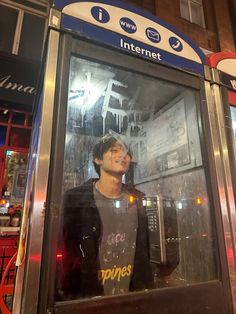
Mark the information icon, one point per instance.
(153, 35)
(99, 14)
(175, 44)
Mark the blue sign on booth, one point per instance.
(131, 30)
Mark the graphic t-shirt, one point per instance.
(117, 249)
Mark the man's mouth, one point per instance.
(121, 162)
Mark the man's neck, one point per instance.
(110, 185)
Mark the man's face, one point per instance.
(116, 160)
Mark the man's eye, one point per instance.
(114, 150)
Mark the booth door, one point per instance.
(155, 247)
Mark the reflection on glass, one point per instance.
(233, 118)
(135, 210)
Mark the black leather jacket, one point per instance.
(81, 235)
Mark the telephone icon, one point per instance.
(175, 44)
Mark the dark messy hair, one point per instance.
(102, 146)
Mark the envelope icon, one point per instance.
(153, 35)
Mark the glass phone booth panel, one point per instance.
(155, 230)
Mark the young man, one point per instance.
(105, 249)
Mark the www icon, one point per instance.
(128, 25)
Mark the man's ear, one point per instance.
(98, 161)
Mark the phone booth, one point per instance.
(223, 79)
(123, 200)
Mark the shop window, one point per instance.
(31, 41)
(22, 32)
(18, 118)
(19, 138)
(4, 115)
(192, 10)
(30, 119)
(15, 176)
(8, 21)
(3, 132)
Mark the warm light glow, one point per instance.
(3, 202)
(131, 199)
(59, 255)
(198, 200)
